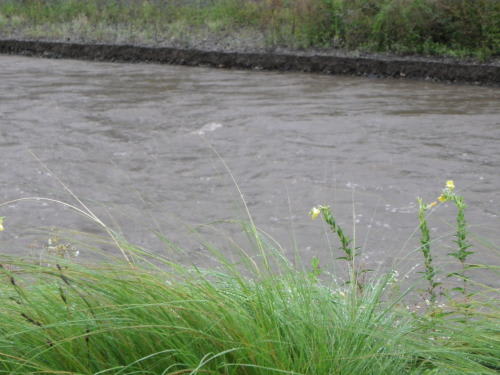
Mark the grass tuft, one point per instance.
(123, 320)
(145, 314)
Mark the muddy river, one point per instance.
(138, 144)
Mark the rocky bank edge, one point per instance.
(446, 70)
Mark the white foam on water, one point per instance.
(210, 127)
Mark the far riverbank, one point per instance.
(314, 61)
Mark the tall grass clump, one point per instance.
(145, 314)
(438, 27)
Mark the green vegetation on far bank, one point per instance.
(465, 28)
(144, 314)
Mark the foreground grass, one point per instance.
(144, 314)
(65, 318)
(440, 27)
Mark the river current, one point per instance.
(144, 147)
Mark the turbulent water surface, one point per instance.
(138, 144)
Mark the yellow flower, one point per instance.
(430, 205)
(1, 223)
(314, 213)
(450, 184)
(442, 198)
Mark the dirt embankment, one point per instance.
(309, 61)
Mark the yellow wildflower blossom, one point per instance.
(442, 198)
(314, 213)
(450, 184)
(1, 223)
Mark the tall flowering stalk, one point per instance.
(463, 244)
(345, 243)
(425, 247)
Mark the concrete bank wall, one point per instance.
(416, 68)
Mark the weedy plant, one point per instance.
(462, 252)
(349, 252)
(463, 245)
(425, 247)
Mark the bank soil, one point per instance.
(333, 62)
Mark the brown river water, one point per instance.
(137, 142)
